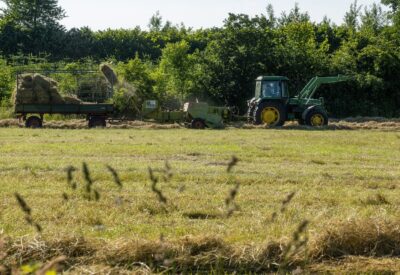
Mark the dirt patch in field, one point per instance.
(362, 123)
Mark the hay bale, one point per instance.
(109, 74)
(42, 81)
(72, 100)
(36, 88)
(25, 81)
(55, 97)
(41, 95)
(23, 96)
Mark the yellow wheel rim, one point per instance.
(317, 120)
(270, 116)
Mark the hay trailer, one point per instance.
(33, 114)
(89, 91)
(273, 106)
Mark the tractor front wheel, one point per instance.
(198, 123)
(317, 118)
(270, 113)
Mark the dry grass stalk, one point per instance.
(91, 193)
(28, 213)
(284, 206)
(115, 175)
(298, 241)
(168, 174)
(154, 180)
(70, 177)
(70, 181)
(234, 161)
(230, 203)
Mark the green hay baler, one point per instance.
(197, 115)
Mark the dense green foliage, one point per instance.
(220, 64)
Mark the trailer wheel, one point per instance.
(34, 122)
(317, 118)
(198, 123)
(97, 122)
(270, 113)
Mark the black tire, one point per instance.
(198, 123)
(97, 122)
(250, 114)
(34, 122)
(317, 118)
(277, 107)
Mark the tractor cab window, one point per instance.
(258, 89)
(271, 89)
(285, 90)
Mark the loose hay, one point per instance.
(190, 254)
(9, 123)
(371, 238)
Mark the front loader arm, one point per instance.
(312, 86)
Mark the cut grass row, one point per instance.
(337, 176)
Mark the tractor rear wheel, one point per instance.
(317, 118)
(198, 123)
(270, 113)
(34, 122)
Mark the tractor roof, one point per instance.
(272, 78)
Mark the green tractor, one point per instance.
(273, 106)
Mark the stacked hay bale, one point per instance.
(37, 89)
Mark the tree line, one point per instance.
(170, 62)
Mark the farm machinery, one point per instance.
(273, 106)
(196, 115)
(37, 95)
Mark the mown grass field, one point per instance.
(338, 176)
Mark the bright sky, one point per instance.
(103, 14)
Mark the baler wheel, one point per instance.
(198, 123)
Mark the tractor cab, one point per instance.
(272, 87)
